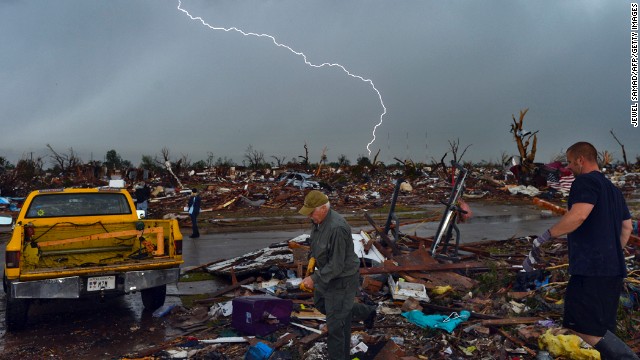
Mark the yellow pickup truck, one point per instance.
(76, 243)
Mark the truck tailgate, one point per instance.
(133, 265)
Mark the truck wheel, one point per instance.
(16, 313)
(153, 298)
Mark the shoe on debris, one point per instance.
(370, 321)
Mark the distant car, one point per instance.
(299, 180)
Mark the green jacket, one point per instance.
(332, 246)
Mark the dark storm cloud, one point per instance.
(137, 76)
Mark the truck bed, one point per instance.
(97, 248)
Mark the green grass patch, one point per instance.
(189, 301)
(494, 280)
(499, 250)
(197, 276)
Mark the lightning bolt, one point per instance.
(304, 57)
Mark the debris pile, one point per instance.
(241, 192)
(432, 304)
(250, 194)
(442, 301)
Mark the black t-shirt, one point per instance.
(594, 247)
(143, 194)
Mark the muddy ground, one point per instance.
(112, 328)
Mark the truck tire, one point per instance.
(153, 298)
(16, 313)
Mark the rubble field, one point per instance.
(510, 315)
(498, 311)
(470, 304)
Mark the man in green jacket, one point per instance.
(337, 278)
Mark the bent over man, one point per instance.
(337, 279)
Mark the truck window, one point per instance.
(60, 205)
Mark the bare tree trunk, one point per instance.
(305, 158)
(279, 160)
(624, 153)
(323, 159)
(523, 139)
(167, 165)
(58, 158)
(444, 166)
(375, 158)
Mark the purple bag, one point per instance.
(260, 315)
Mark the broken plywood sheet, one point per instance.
(280, 253)
(457, 281)
(253, 262)
(309, 314)
(417, 257)
(437, 278)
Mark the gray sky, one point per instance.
(137, 76)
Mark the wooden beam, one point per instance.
(511, 321)
(213, 297)
(633, 239)
(466, 248)
(516, 341)
(426, 267)
(455, 309)
(385, 238)
(100, 236)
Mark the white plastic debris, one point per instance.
(403, 290)
(224, 309)
(361, 347)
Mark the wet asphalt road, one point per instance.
(87, 329)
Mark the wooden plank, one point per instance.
(449, 310)
(517, 341)
(426, 267)
(419, 256)
(200, 267)
(283, 340)
(633, 239)
(511, 321)
(311, 338)
(444, 278)
(226, 204)
(390, 351)
(466, 248)
(155, 230)
(385, 238)
(213, 297)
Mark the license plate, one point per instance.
(101, 282)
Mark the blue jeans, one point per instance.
(194, 225)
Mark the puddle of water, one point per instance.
(509, 218)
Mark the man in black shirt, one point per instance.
(597, 225)
(142, 193)
(193, 207)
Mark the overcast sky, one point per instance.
(137, 76)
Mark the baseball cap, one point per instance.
(313, 199)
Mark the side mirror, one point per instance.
(6, 220)
(141, 214)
